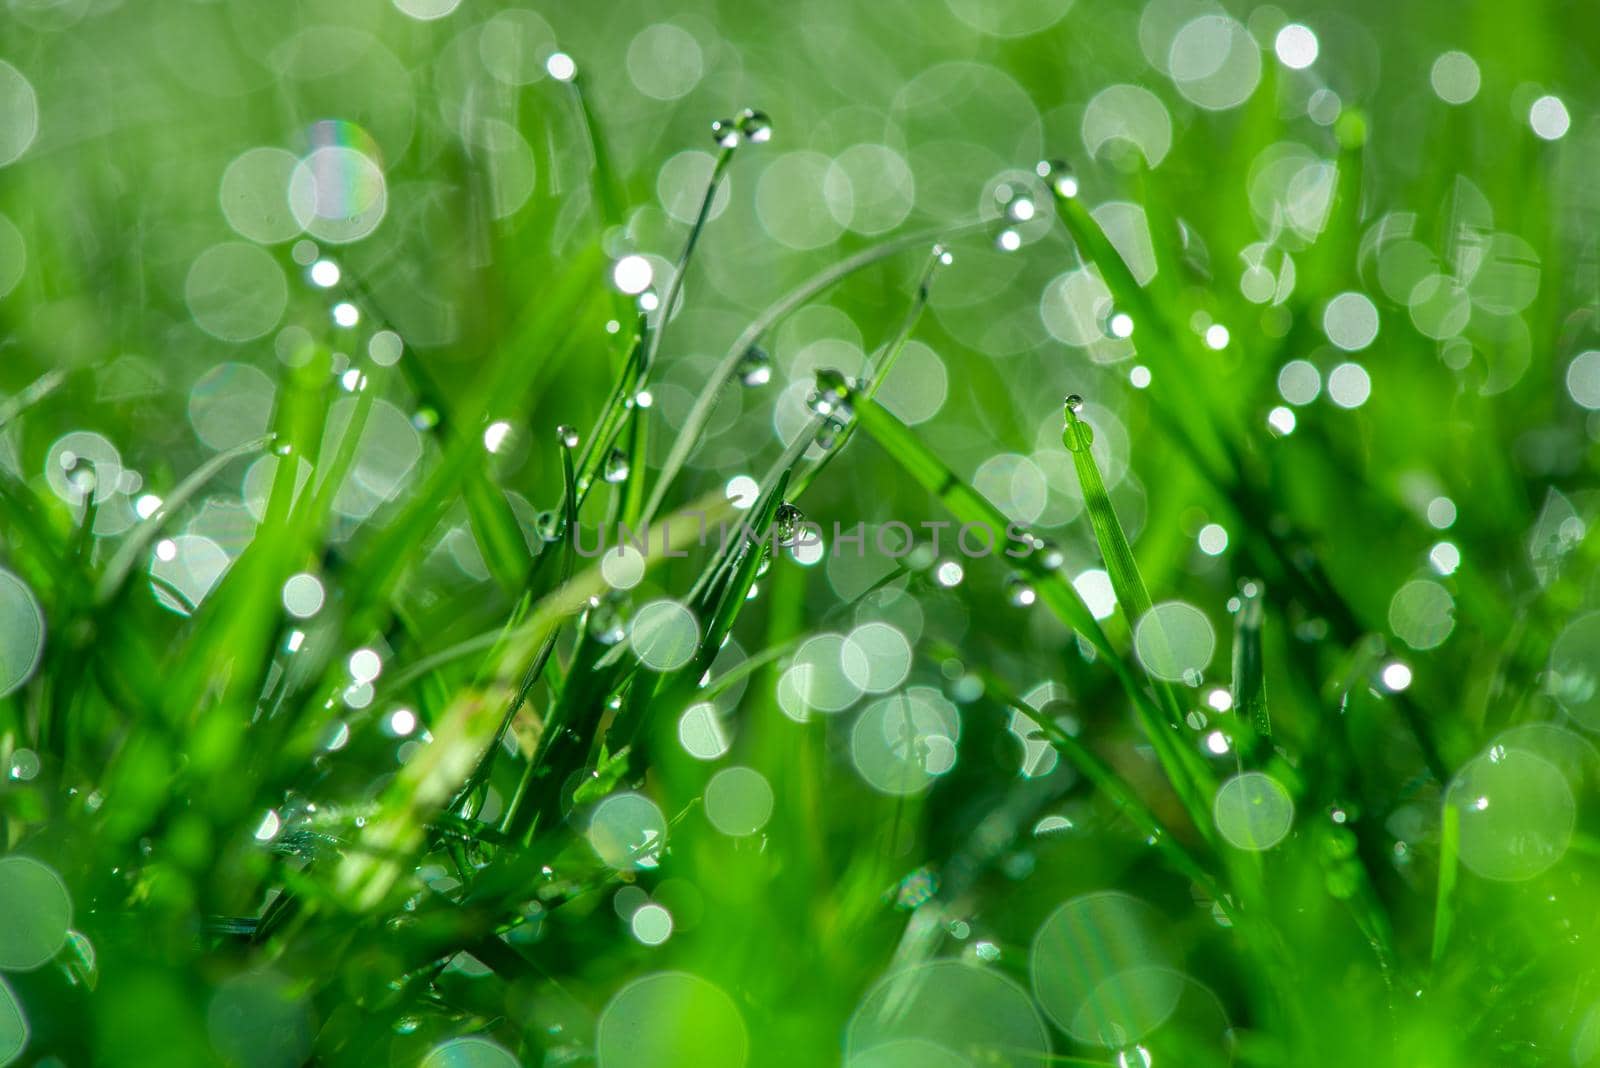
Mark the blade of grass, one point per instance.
(1116, 788)
(1444, 898)
(550, 324)
(1183, 765)
(700, 413)
(139, 539)
(1051, 587)
(669, 301)
(876, 375)
(1172, 356)
(31, 394)
(365, 877)
(1249, 681)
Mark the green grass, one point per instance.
(1260, 734)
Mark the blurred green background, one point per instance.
(1337, 346)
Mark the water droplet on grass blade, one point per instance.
(1134, 1057)
(605, 623)
(832, 395)
(1019, 592)
(567, 436)
(496, 435)
(549, 525)
(755, 126)
(786, 522)
(561, 67)
(754, 367)
(1059, 174)
(1048, 554)
(617, 466)
(725, 132)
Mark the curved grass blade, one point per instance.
(367, 874)
(31, 394)
(551, 325)
(613, 416)
(134, 545)
(1167, 350)
(1249, 681)
(608, 184)
(877, 374)
(496, 531)
(971, 507)
(1126, 580)
(694, 424)
(1117, 789)
(669, 300)
(1188, 776)
(1181, 763)
(541, 658)
(1444, 899)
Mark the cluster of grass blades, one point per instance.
(412, 774)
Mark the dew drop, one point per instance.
(81, 478)
(755, 366)
(1021, 209)
(1074, 402)
(725, 132)
(561, 67)
(831, 398)
(786, 522)
(1134, 1057)
(605, 623)
(1049, 555)
(617, 468)
(1019, 592)
(1059, 174)
(755, 126)
(549, 525)
(567, 436)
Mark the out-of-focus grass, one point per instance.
(1260, 734)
